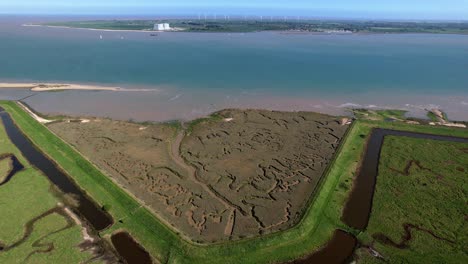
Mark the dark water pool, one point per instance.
(16, 166)
(339, 250)
(129, 249)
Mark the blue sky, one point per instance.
(403, 9)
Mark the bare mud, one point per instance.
(262, 166)
(242, 174)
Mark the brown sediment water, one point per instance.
(16, 166)
(339, 250)
(97, 217)
(129, 249)
(358, 207)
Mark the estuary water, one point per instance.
(193, 74)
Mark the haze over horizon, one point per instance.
(353, 9)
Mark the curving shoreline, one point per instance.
(50, 87)
(93, 29)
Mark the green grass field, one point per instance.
(26, 196)
(314, 230)
(379, 115)
(423, 184)
(4, 169)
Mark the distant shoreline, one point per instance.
(283, 32)
(103, 30)
(50, 87)
(250, 26)
(94, 29)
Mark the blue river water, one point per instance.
(193, 74)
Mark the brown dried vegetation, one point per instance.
(250, 174)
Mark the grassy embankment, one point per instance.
(430, 193)
(321, 218)
(26, 196)
(379, 115)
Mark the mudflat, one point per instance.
(237, 174)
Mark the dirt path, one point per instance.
(192, 172)
(38, 118)
(176, 157)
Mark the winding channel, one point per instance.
(356, 214)
(359, 205)
(125, 245)
(98, 218)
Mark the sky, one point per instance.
(370, 9)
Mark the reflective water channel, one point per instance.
(340, 248)
(96, 217)
(359, 205)
(128, 249)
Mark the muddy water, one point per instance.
(358, 207)
(98, 218)
(16, 167)
(129, 249)
(339, 250)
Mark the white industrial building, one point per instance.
(162, 27)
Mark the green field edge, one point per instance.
(167, 246)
